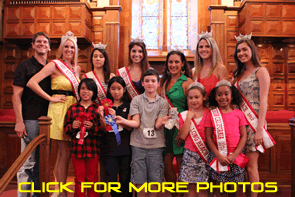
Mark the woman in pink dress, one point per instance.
(209, 68)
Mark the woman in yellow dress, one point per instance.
(64, 73)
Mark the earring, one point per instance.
(182, 70)
(199, 60)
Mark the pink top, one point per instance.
(189, 143)
(209, 83)
(232, 123)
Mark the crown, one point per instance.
(196, 84)
(243, 38)
(99, 46)
(177, 48)
(206, 34)
(223, 82)
(137, 39)
(69, 35)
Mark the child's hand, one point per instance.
(112, 112)
(223, 160)
(88, 124)
(190, 115)
(100, 111)
(76, 124)
(165, 119)
(231, 158)
(119, 119)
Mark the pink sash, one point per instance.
(69, 74)
(101, 93)
(163, 94)
(252, 119)
(132, 91)
(202, 149)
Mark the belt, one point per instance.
(63, 92)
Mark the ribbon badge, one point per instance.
(82, 133)
(109, 119)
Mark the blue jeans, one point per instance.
(29, 172)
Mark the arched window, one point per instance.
(166, 24)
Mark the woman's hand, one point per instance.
(88, 124)
(76, 124)
(258, 139)
(58, 99)
(179, 141)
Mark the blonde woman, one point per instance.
(64, 73)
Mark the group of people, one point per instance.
(215, 128)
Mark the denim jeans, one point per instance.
(29, 172)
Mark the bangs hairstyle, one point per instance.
(215, 57)
(203, 92)
(91, 85)
(121, 81)
(150, 72)
(40, 34)
(60, 50)
(106, 65)
(144, 62)
(185, 67)
(235, 94)
(240, 67)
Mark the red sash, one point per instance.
(101, 92)
(163, 94)
(69, 74)
(202, 149)
(252, 119)
(132, 91)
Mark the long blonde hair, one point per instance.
(215, 57)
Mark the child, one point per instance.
(149, 114)
(117, 158)
(192, 130)
(84, 149)
(228, 140)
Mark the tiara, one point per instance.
(196, 84)
(243, 38)
(177, 48)
(69, 35)
(206, 34)
(99, 46)
(223, 82)
(137, 39)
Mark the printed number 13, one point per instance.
(151, 132)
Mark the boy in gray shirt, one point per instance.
(149, 115)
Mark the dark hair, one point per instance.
(106, 65)
(150, 72)
(144, 61)
(91, 85)
(240, 67)
(235, 93)
(185, 68)
(203, 92)
(40, 34)
(121, 81)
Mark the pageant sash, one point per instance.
(202, 149)
(221, 140)
(252, 119)
(132, 91)
(69, 74)
(101, 92)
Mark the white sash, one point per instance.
(252, 119)
(163, 94)
(69, 74)
(202, 149)
(132, 91)
(101, 92)
(221, 140)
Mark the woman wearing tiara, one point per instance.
(138, 64)
(100, 70)
(175, 83)
(209, 68)
(64, 73)
(253, 81)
